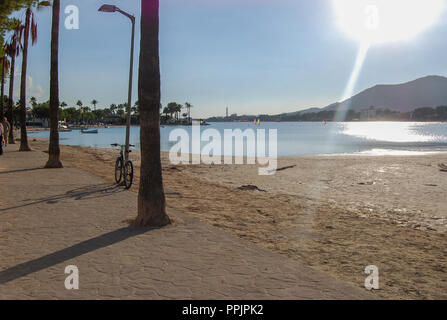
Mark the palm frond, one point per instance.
(42, 4)
(4, 61)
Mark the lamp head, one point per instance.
(107, 8)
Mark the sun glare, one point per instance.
(381, 21)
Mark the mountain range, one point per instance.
(430, 91)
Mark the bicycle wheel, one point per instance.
(128, 174)
(118, 170)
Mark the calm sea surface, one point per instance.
(300, 138)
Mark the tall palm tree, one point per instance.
(151, 197)
(174, 108)
(113, 107)
(54, 151)
(178, 109)
(79, 104)
(166, 110)
(4, 61)
(188, 107)
(94, 103)
(120, 109)
(13, 49)
(33, 101)
(30, 27)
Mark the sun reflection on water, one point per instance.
(388, 131)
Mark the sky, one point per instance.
(252, 56)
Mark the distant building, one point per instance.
(227, 113)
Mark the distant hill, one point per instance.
(429, 91)
(397, 102)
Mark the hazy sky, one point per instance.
(254, 56)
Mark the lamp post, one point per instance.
(112, 8)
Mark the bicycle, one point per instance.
(123, 169)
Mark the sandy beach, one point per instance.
(337, 214)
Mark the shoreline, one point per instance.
(395, 152)
(335, 214)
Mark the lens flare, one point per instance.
(349, 90)
(381, 21)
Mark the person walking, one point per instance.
(6, 127)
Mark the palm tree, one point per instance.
(178, 110)
(94, 103)
(151, 197)
(136, 107)
(166, 111)
(54, 151)
(30, 27)
(33, 101)
(174, 108)
(79, 104)
(120, 109)
(63, 104)
(188, 107)
(13, 49)
(5, 69)
(113, 108)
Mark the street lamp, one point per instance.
(112, 8)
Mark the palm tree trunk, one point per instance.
(11, 98)
(23, 136)
(54, 150)
(151, 197)
(2, 112)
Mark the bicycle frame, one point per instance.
(124, 153)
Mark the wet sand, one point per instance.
(338, 214)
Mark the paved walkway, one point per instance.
(50, 219)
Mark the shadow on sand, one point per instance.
(84, 193)
(72, 252)
(21, 170)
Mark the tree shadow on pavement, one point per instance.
(21, 170)
(83, 193)
(69, 253)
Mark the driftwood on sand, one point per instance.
(251, 187)
(283, 168)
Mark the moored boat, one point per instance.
(89, 130)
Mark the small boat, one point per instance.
(89, 130)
